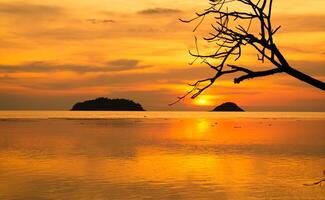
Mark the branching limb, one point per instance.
(251, 74)
(315, 183)
(231, 31)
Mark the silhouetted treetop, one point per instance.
(105, 104)
(239, 23)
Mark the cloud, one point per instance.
(125, 64)
(45, 67)
(29, 10)
(6, 78)
(313, 68)
(158, 11)
(113, 80)
(100, 21)
(300, 22)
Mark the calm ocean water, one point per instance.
(160, 155)
(155, 114)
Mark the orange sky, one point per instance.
(53, 55)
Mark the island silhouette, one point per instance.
(106, 104)
(228, 107)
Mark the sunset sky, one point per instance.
(55, 53)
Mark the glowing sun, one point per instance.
(201, 102)
(205, 100)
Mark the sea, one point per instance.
(77, 155)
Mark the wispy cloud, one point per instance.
(30, 10)
(100, 21)
(300, 23)
(46, 67)
(125, 64)
(158, 11)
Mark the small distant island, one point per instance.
(106, 104)
(228, 107)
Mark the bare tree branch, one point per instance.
(231, 31)
(315, 183)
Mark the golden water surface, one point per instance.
(153, 156)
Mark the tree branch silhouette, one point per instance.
(317, 182)
(230, 38)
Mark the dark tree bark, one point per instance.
(231, 31)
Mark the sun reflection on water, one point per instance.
(155, 158)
